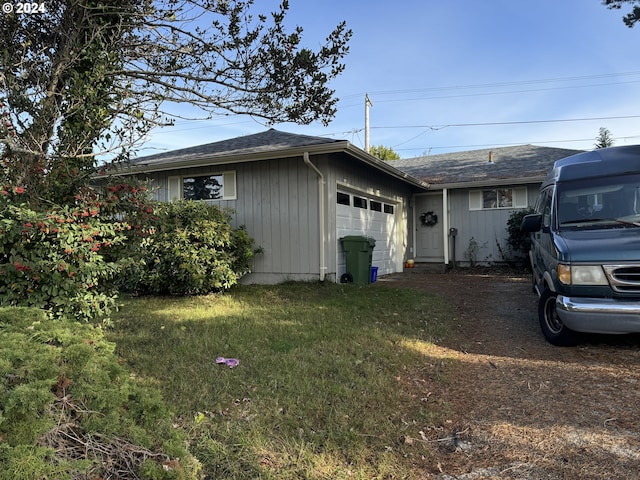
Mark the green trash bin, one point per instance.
(358, 254)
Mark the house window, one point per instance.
(375, 206)
(359, 202)
(388, 208)
(206, 187)
(216, 186)
(343, 199)
(496, 198)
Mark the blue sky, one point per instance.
(439, 73)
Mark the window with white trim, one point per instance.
(497, 198)
(214, 186)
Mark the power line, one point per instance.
(483, 124)
(538, 142)
(444, 88)
(430, 127)
(494, 85)
(507, 92)
(487, 94)
(523, 122)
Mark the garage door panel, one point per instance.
(380, 226)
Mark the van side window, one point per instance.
(544, 207)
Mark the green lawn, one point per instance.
(319, 391)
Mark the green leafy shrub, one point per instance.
(69, 410)
(53, 260)
(194, 250)
(518, 241)
(63, 259)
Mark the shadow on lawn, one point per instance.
(321, 375)
(337, 381)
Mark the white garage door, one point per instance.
(373, 217)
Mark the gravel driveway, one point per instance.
(515, 406)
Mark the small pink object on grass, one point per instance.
(230, 362)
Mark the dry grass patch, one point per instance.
(319, 391)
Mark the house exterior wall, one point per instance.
(278, 202)
(482, 235)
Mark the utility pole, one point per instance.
(367, 103)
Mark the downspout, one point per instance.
(414, 230)
(445, 224)
(321, 183)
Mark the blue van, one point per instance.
(585, 245)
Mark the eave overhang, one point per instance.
(204, 160)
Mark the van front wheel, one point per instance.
(553, 329)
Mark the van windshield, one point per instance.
(606, 202)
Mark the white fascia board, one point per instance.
(488, 183)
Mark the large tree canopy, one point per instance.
(631, 18)
(88, 77)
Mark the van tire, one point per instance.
(552, 327)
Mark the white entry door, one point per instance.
(429, 239)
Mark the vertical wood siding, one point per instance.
(487, 228)
(277, 201)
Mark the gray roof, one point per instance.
(260, 143)
(267, 145)
(520, 164)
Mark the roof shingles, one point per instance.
(472, 167)
(523, 161)
(269, 141)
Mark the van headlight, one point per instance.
(582, 275)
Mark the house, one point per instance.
(297, 195)
(472, 195)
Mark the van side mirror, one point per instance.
(531, 223)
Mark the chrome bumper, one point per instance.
(599, 315)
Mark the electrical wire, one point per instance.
(492, 85)
(508, 92)
(354, 133)
(486, 145)
(522, 122)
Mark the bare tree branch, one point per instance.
(90, 77)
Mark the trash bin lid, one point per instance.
(360, 239)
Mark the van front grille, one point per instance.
(624, 278)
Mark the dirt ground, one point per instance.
(514, 406)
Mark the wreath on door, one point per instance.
(429, 219)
